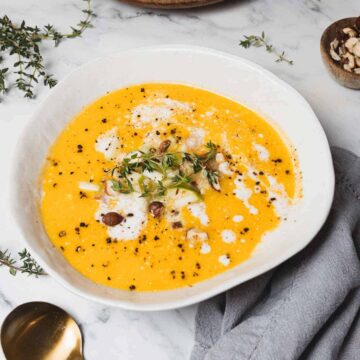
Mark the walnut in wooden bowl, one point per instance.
(340, 50)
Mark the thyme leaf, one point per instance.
(25, 263)
(21, 43)
(261, 41)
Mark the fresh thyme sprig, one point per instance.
(28, 264)
(22, 43)
(260, 41)
(177, 170)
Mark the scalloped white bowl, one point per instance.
(231, 76)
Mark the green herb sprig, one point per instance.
(25, 263)
(261, 41)
(22, 43)
(176, 168)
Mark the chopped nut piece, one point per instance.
(112, 218)
(164, 146)
(196, 235)
(345, 48)
(333, 54)
(349, 31)
(350, 43)
(335, 44)
(351, 64)
(156, 208)
(356, 48)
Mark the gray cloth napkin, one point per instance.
(308, 307)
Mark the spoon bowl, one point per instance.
(55, 333)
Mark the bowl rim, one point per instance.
(192, 299)
(324, 50)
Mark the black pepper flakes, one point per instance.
(62, 233)
(132, 287)
(78, 249)
(82, 195)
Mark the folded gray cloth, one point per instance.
(308, 307)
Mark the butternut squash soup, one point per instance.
(160, 186)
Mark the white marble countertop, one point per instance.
(292, 25)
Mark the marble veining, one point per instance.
(292, 25)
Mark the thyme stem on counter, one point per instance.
(20, 46)
(261, 41)
(25, 263)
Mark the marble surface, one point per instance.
(292, 25)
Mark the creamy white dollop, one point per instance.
(263, 152)
(131, 227)
(195, 139)
(157, 110)
(205, 248)
(238, 218)
(228, 236)
(243, 193)
(281, 203)
(198, 210)
(108, 143)
(224, 260)
(88, 186)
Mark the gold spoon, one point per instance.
(41, 331)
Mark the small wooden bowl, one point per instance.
(343, 77)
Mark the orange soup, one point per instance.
(160, 186)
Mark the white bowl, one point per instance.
(231, 76)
